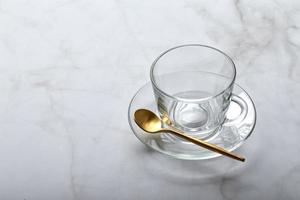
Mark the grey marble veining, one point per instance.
(68, 69)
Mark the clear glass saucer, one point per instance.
(230, 136)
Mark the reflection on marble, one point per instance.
(68, 69)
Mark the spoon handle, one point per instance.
(204, 144)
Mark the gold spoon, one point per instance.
(150, 123)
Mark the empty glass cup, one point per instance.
(193, 88)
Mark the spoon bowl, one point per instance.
(148, 121)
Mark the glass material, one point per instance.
(240, 122)
(192, 86)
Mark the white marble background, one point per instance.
(68, 69)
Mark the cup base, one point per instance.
(203, 135)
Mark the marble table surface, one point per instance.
(68, 69)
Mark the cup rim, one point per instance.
(184, 99)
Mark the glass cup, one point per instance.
(193, 88)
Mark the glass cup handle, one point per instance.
(240, 106)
